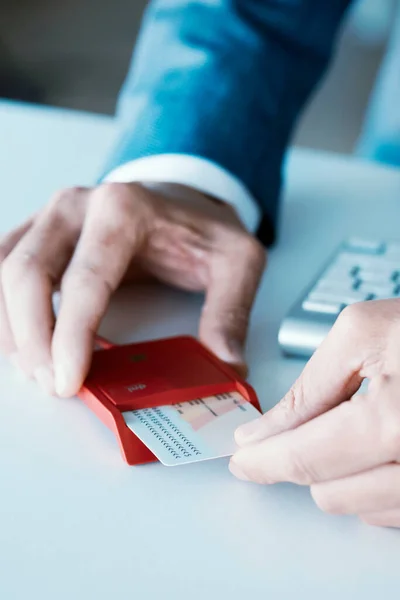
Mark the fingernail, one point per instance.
(237, 471)
(248, 432)
(44, 377)
(62, 380)
(232, 354)
(226, 348)
(226, 355)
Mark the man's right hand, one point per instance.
(89, 241)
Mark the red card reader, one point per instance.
(150, 374)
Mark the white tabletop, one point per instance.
(75, 521)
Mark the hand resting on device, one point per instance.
(88, 242)
(343, 444)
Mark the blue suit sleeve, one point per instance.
(226, 80)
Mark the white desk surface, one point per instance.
(75, 521)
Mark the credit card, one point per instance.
(201, 429)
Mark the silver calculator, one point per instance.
(360, 270)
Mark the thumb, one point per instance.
(331, 376)
(234, 277)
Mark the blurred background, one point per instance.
(75, 53)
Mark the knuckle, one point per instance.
(112, 190)
(128, 203)
(65, 207)
(299, 471)
(16, 265)
(353, 318)
(253, 250)
(362, 332)
(294, 403)
(377, 385)
(123, 194)
(66, 195)
(86, 275)
(369, 319)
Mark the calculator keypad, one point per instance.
(362, 270)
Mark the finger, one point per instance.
(7, 243)
(236, 268)
(11, 239)
(389, 518)
(353, 437)
(28, 277)
(114, 229)
(376, 490)
(7, 344)
(332, 375)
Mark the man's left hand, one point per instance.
(344, 445)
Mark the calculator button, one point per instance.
(383, 291)
(378, 263)
(393, 251)
(330, 308)
(365, 246)
(383, 297)
(334, 297)
(340, 273)
(339, 286)
(376, 276)
(349, 259)
(380, 266)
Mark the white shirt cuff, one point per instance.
(194, 172)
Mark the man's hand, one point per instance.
(345, 446)
(88, 241)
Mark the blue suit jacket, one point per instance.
(226, 80)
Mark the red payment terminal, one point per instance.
(153, 374)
